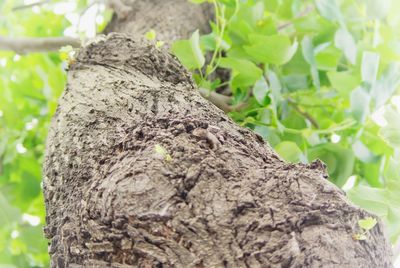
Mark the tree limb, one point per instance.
(303, 113)
(221, 101)
(42, 44)
(120, 8)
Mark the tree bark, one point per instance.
(216, 195)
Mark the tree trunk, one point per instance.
(141, 171)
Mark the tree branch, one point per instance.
(41, 44)
(303, 113)
(221, 101)
(120, 8)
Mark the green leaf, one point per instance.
(289, 151)
(393, 221)
(340, 161)
(257, 11)
(327, 57)
(275, 49)
(296, 82)
(392, 171)
(330, 10)
(307, 48)
(367, 223)
(371, 172)
(343, 82)
(195, 45)
(161, 151)
(159, 44)
(391, 132)
(268, 133)
(8, 214)
(359, 237)
(386, 85)
(345, 41)
(369, 67)
(240, 29)
(360, 100)
(245, 72)
(378, 9)
(260, 91)
(150, 35)
(189, 52)
(208, 42)
(276, 86)
(66, 52)
(373, 200)
(363, 153)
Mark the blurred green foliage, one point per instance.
(30, 86)
(320, 79)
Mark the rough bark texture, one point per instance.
(222, 199)
(171, 19)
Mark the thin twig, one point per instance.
(23, 45)
(340, 127)
(303, 113)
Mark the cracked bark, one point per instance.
(225, 199)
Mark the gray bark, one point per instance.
(221, 198)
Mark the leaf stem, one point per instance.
(342, 126)
(220, 15)
(305, 114)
